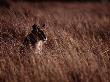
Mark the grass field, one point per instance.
(77, 47)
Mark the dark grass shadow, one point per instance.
(74, 76)
(4, 4)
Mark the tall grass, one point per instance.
(77, 49)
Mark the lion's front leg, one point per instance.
(38, 46)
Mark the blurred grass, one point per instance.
(77, 49)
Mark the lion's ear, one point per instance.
(43, 25)
(34, 27)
